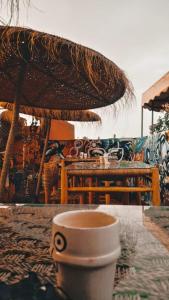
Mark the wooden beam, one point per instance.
(110, 189)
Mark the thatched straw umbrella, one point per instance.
(42, 70)
(67, 115)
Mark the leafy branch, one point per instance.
(161, 125)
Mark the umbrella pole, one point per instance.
(142, 116)
(42, 159)
(11, 137)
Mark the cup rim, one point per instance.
(106, 226)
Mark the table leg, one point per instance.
(127, 196)
(81, 198)
(73, 181)
(90, 193)
(155, 187)
(107, 196)
(81, 195)
(64, 186)
(138, 194)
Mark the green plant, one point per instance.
(162, 124)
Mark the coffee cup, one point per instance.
(85, 244)
(81, 154)
(85, 155)
(106, 158)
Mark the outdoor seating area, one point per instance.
(85, 169)
(114, 170)
(84, 150)
(111, 178)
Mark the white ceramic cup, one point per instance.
(86, 245)
(85, 155)
(106, 158)
(101, 160)
(81, 154)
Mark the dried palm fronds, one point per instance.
(74, 75)
(67, 115)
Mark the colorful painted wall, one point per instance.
(127, 149)
(148, 149)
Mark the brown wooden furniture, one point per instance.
(68, 160)
(113, 170)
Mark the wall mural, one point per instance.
(152, 150)
(125, 149)
(156, 150)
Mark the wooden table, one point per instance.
(68, 160)
(114, 169)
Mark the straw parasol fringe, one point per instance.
(65, 115)
(104, 75)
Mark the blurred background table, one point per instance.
(111, 170)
